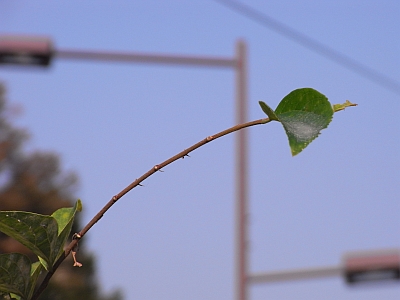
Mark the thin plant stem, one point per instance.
(137, 182)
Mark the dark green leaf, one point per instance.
(15, 269)
(303, 113)
(36, 232)
(44, 235)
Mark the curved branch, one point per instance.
(134, 184)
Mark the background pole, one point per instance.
(241, 173)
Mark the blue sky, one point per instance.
(174, 237)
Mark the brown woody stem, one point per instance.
(134, 184)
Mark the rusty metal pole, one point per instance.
(241, 173)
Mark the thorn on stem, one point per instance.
(157, 168)
(209, 138)
(138, 182)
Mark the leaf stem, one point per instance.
(134, 184)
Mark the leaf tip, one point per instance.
(79, 205)
(339, 107)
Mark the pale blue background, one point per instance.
(174, 238)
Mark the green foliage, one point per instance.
(44, 235)
(303, 113)
(17, 275)
(37, 232)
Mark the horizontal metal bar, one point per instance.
(298, 274)
(146, 58)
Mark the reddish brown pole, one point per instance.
(136, 57)
(241, 173)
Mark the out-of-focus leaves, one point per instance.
(15, 269)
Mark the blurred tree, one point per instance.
(34, 182)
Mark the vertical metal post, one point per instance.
(241, 173)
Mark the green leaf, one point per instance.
(65, 218)
(43, 263)
(303, 114)
(36, 269)
(268, 111)
(15, 269)
(36, 232)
